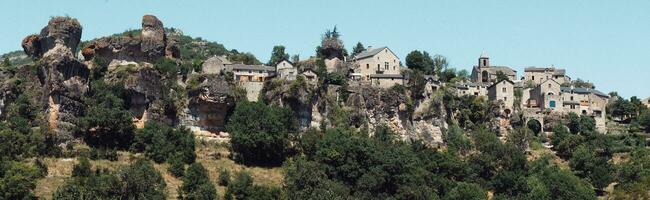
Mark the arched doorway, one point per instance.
(534, 126)
(485, 76)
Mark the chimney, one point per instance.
(369, 48)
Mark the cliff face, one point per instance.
(367, 108)
(209, 105)
(63, 78)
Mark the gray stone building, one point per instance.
(215, 65)
(537, 75)
(286, 70)
(503, 91)
(486, 73)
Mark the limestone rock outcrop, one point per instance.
(209, 105)
(147, 46)
(63, 78)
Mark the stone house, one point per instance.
(545, 96)
(646, 102)
(537, 75)
(471, 88)
(286, 70)
(251, 73)
(503, 91)
(380, 67)
(215, 65)
(486, 73)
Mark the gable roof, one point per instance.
(372, 52)
(582, 90)
(509, 81)
(250, 67)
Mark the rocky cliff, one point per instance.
(63, 78)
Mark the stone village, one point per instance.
(544, 91)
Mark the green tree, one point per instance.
(82, 169)
(260, 134)
(358, 49)
(224, 177)
(106, 122)
(278, 55)
(242, 188)
(17, 180)
(160, 142)
(176, 166)
(142, 181)
(439, 63)
(501, 76)
(466, 191)
(587, 165)
(6, 63)
(421, 61)
(331, 45)
(196, 184)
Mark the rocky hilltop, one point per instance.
(203, 102)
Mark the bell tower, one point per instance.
(483, 61)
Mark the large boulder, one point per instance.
(153, 37)
(64, 31)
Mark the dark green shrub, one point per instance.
(260, 134)
(196, 184)
(160, 142)
(224, 177)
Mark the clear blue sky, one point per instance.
(605, 42)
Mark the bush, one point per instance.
(160, 142)
(196, 184)
(139, 180)
(142, 180)
(242, 188)
(103, 153)
(82, 169)
(17, 180)
(466, 191)
(224, 177)
(167, 67)
(176, 166)
(260, 134)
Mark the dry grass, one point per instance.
(214, 157)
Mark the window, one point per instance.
(503, 89)
(505, 98)
(533, 78)
(393, 67)
(551, 104)
(549, 85)
(484, 62)
(378, 67)
(571, 98)
(249, 71)
(367, 66)
(386, 65)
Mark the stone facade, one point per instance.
(251, 73)
(471, 88)
(486, 73)
(537, 75)
(379, 66)
(646, 102)
(503, 91)
(286, 70)
(215, 65)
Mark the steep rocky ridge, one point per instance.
(63, 78)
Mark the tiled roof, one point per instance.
(386, 76)
(370, 53)
(250, 67)
(581, 90)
